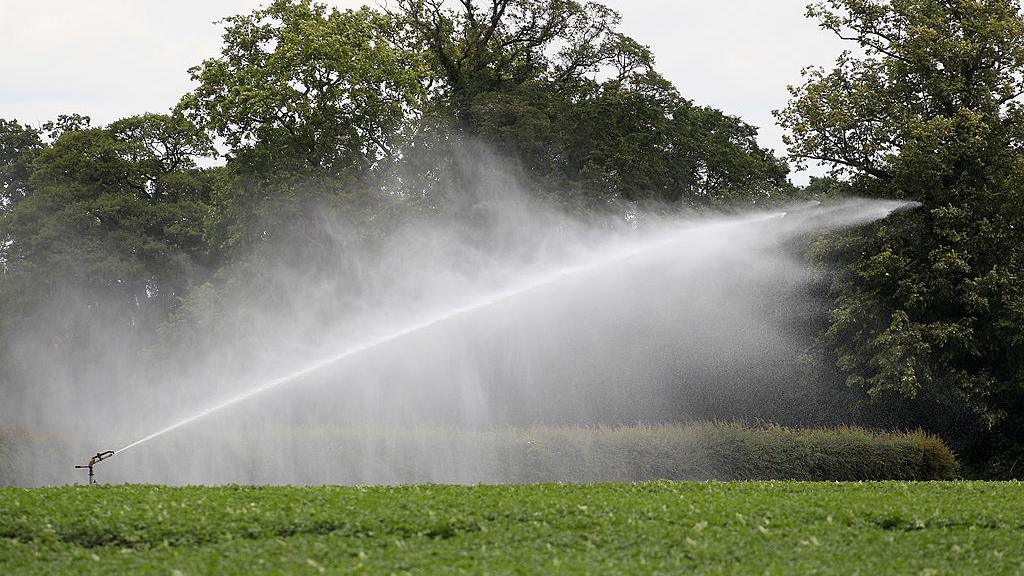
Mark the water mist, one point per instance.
(406, 357)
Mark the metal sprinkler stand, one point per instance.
(99, 457)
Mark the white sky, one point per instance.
(114, 58)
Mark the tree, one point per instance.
(638, 138)
(160, 148)
(118, 210)
(301, 88)
(19, 146)
(928, 309)
(513, 42)
(65, 123)
(554, 85)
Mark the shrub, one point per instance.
(724, 451)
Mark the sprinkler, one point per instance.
(99, 457)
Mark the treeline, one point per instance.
(362, 114)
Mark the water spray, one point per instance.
(843, 214)
(663, 240)
(99, 457)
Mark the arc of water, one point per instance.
(494, 298)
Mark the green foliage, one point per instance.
(315, 106)
(19, 145)
(660, 527)
(511, 43)
(65, 123)
(926, 306)
(642, 141)
(118, 209)
(721, 452)
(105, 238)
(556, 86)
(298, 87)
(321, 109)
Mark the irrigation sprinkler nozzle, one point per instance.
(99, 457)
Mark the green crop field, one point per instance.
(659, 527)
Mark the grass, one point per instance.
(655, 527)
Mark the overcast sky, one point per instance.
(114, 58)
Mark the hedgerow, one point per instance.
(724, 451)
(693, 451)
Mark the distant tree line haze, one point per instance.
(313, 119)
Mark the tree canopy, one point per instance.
(299, 86)
(556, 85)
(928, 308)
